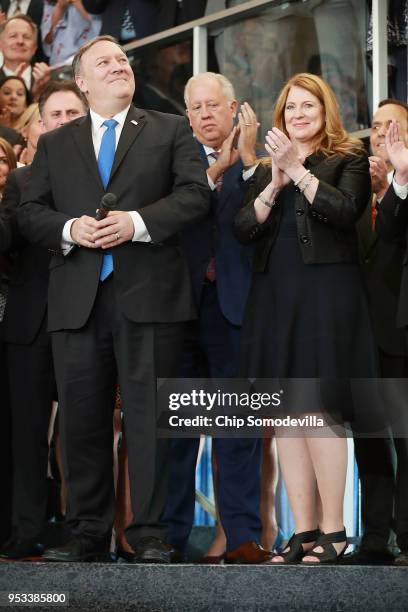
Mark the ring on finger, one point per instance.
(274, 148)
(117, 236)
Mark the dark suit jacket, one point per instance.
(392, 224)
(143, 13)
(213, 237)
(381, 264)
(326, 230)
(158, 172)
(28, 278)
(35, 11)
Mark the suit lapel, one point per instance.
(134, 124)
(82, 132)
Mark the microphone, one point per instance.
(107, 204)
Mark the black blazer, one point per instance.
(143, 13)
(392, 225)
(157, 171)
(381, 264)
(28, 278)
(326, 230)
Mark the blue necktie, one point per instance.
(105, 163)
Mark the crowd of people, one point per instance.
(223, 258)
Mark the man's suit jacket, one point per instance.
(392, 225)
(213, 237)
(143, 13)
(35, 11)
(381, 263)
(28, 279)
(158, 172)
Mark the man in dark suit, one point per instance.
(18, 43)
(392, 223)
(31, 372)
(220, 269)
(383, 485)
(119, 292)
(33, 9)
(125, 19)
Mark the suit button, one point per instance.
(299, 212)
(320, 217)
(314, 213)
(325, 219)
(304, 239)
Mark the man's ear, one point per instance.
(188, 117)
(80, 82)
(234, 107)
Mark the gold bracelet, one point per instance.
(265, 201)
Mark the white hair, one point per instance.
(223, 82)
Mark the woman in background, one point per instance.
(306, 315)
(14, 99)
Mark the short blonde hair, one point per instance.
(333, 138)
(226, 85)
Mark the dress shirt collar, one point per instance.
(97, 120)
(209, 150)
(26, 75)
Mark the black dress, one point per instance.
(308, 321)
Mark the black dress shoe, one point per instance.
(151, 550)
(79, 548)
(176, 556)
(22, 550)
(368, 557)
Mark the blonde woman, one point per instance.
(306, 315)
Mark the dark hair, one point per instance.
(76, 62)
(53, 87)
(395, 102)
(23, 17)
(12, 77)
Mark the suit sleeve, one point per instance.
(392, 219)
(343, 204)
(246, 228)
(189, 199)
(37, 218)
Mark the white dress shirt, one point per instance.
(98, 129)
(22, 6)
(26, 75)
(400, 190)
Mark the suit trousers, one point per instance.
(89, 363)
(32, 391)
(383, 469)
(212, 349)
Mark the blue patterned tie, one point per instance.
(105, 163)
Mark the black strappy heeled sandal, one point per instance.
(329, 554)
(296, 551)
